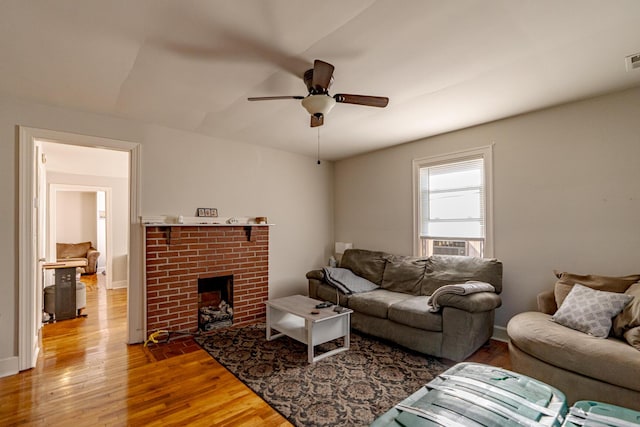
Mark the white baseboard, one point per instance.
(9, 366)
(120, 284)
(500, 333)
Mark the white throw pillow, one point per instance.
(590, 311)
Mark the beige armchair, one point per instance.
(78, 251)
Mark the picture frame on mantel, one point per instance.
(207, 212)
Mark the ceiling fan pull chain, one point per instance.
(318, 145)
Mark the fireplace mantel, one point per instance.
(190, 221)
(164, 224)
(168, 228)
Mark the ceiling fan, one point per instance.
(318, 102)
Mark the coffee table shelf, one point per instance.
(292, 324)
(291, 316)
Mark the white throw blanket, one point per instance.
(469, 287)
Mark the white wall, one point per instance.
(566, 194)
(76, 217)
(180, 172)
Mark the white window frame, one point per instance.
(486, 153)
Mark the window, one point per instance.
(453, 204)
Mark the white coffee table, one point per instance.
(291, 316)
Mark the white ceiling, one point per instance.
(191, 64)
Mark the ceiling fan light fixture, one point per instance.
(318, 104)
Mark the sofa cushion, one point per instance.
(413, 312)
(629, 318)
(590, 311)
(448, 270)
(72, 250)
(404, 274)
(602, 283)
(535, 334)
(364, 263)
(376, 303)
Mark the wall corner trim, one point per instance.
(500, 333)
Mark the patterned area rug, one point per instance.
(351, 388)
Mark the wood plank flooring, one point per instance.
(86, 375)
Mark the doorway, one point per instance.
(30, 235)
(79, 213)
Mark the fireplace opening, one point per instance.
(215, 302)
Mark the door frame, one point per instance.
(28, 327)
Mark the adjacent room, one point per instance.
(302, 213)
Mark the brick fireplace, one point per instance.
(178, 255)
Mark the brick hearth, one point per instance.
(176, 256)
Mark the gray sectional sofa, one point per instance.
(397, 310)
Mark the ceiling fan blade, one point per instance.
(322, 73)
(227, 41)
(371, 101)
(317, 120)
(272, 98)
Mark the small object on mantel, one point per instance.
(157, 219)
(261, 220)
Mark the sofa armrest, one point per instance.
(473, 303)
(547, 302)
(316, 274)
(92, 260)
(316, 278)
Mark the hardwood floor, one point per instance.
(87, 375)
(494, 353)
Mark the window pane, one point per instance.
(470, 229)
(463, 204)
(442, 178)
(452, 199)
